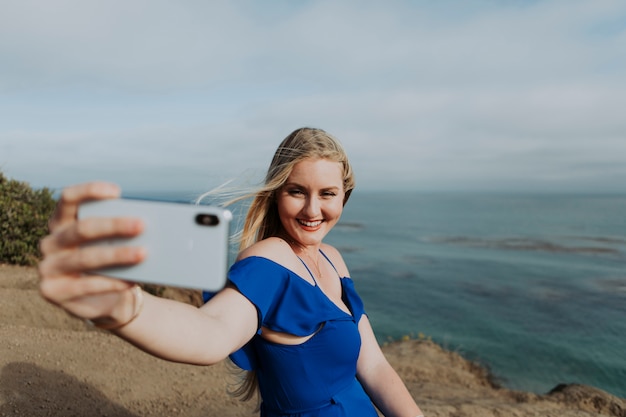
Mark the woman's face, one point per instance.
(311, 201)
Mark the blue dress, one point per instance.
(317, 377)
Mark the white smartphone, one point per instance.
(187, 245)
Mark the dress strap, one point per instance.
(307, 268)
(311, 273)
(331, 264)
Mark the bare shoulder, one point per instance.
(335, 257)
(273, 248)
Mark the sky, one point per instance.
(424, 95)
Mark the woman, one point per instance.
(289, 314)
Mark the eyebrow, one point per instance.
(295, 184)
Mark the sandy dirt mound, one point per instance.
(52, 364)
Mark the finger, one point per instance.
(87, 230)
(75, 288)
(94, 306)
(83, 260)
(71, 197)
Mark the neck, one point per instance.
(311, 259)
(299, 249)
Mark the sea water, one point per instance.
(531, 286)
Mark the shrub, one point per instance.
(24, 214)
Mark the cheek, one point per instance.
(335, 209)
(287, 207)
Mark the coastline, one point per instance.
(54, 364)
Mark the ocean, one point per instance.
(531, 286)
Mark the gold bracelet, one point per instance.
(107, 323)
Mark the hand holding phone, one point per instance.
(187, 245)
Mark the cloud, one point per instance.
(445, 95)
(129, 45)
(162, 45)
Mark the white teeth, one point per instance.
(310, 224)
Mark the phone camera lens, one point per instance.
(207, 219)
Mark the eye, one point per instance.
(328, 194)
(295, 191)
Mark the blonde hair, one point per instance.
(262, 219)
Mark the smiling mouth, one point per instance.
(310, 223)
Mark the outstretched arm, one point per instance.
(183, 333)
(380, 380)
(165, 328)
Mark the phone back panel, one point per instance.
(187, 245)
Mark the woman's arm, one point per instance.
(165, 328)
(380, 381)
(183, 333)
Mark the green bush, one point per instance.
(24, 215)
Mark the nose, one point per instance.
(311, 207)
